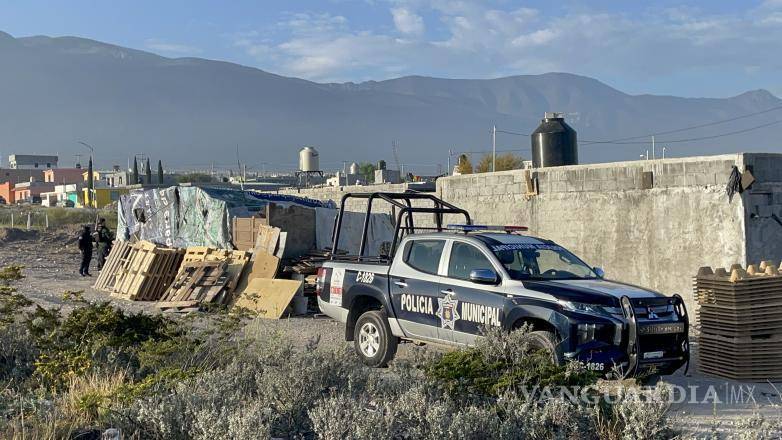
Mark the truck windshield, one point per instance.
(528, 261)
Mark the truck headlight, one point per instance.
(591, 309)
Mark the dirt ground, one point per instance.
(51, 265)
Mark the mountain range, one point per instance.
(193, 112)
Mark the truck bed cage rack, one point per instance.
(403, 202)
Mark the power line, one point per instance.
(700, 138)
(693, 127)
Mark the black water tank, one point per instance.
(554, 143)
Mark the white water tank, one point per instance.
(308, 159)
(354, 168)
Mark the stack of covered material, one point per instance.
(140, 271)
(740, 319)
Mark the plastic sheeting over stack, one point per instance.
(184, 216)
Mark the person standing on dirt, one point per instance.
(105, 239)
(85, 246)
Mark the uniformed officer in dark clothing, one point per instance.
(105, 239)
(85, 246)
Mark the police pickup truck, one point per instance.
(447, 284)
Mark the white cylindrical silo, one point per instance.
(308, 160)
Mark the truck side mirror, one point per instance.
(484, 276)
(599, 272)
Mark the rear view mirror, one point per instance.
(484, 276)
(599, 272)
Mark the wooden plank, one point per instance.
(267, 239)
(263, 266)
(176, 304)
(269, 298)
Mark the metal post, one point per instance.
(12, 219)
(653, 155)
(47, 220)
(28, 221)
(493, 148)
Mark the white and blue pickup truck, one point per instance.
(447, 284)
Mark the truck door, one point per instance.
(478, 306)
(415, 288)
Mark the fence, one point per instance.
(47, 218)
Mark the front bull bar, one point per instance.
(633, 349)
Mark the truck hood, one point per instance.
(590, 291)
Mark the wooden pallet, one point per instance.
(236, 260)
(199, 282)
(108, 275)
(146, 272)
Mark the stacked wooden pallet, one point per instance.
(740, 320)
(198, 283)
(116, 258)
(236, 261)
(147, 272)
(140, 271)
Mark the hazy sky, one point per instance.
(711, 48)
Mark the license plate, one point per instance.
(653, 355)
(661, 329)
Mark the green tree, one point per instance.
(367, 172)
(149, 173)
(159, 172)
(194, 178)
(505, 162)
(463, 165)
(135, 172)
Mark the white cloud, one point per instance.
(167, 48)
(473, 38)
(407, 22)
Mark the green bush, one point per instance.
(503, 362)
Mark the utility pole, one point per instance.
(493, 148)
(449, 162)
(653, 155)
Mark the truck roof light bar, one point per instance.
(471, 228)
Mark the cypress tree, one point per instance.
(149, 173)
(159, 172)
(135, 171)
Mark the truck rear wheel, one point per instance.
(546, 342)
(373, 341)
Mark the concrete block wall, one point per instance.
(656, 237)
(763, 208)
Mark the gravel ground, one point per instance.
(51, 262)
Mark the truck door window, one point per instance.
(424, 255)
(464, 259)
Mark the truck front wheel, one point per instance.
(374, 343)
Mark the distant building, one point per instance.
(32, 161)
(16, 176)
(7, 192)
(387, 176)
(117, 178)
(341, 179)
(29, 191)
(102, 196)
(61, 176)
